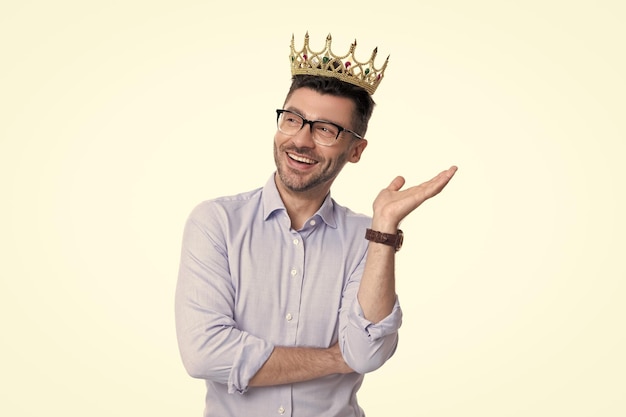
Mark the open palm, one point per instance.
(393, 204)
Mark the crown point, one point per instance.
(329, 41)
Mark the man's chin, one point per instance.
(296, 183)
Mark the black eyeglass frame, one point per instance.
(305, 121)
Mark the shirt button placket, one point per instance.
(292, 307)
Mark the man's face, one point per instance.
(302, 164)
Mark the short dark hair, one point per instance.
(363, 102)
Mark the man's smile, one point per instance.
(301, 159)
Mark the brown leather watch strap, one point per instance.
(393, 240)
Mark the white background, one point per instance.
(115, 120)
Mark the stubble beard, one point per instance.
(296, 182)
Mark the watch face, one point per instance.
(400, 240)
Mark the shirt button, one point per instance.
(294, 272)
(288, 316)
(312, 222)
(281, 410)
(295, 241)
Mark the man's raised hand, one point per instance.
(393, 204)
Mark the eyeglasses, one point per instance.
(323, 133)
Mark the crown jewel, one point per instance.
(345, 67)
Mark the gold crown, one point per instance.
(346, 68)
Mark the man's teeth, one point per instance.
(301, 159)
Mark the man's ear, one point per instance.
(357, 150)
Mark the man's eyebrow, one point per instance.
(300, 113)
(294, 110)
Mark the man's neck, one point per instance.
(301, 205)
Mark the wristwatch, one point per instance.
(394, 240)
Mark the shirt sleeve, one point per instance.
(210, 344)
(365, 345)
(375, 331)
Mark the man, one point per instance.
(286, 298)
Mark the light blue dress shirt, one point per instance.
(249, 282)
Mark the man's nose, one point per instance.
(304, 137)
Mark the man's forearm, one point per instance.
(287, 365)
(377, 291)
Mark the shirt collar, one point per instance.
(273, 203)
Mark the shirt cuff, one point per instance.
(375, 331)
(248, 360)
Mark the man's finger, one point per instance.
(396, 184)
(441, 180)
